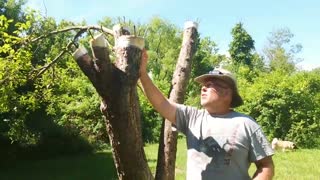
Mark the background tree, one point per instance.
(30, 106)
(12, 9)
(168, 138)
(163, 41)
(241, 46)
(280, 52)
(244, 62)
(286, 106)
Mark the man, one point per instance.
(221, 143)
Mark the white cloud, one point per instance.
(35, 4)
(307, 66)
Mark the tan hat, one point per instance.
(227, 77)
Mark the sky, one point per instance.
(216, 18)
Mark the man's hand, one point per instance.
(166, 108)
(144, 62)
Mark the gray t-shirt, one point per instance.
(220, 147)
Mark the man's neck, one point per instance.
(219, 110)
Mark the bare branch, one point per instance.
(46, 67)
(45, 9)
(81, 28)
(66, 49)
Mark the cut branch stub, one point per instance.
(102, 64)
(128, 55)
(98, 69)
(182, 73)
(119, 30)
(85, 63)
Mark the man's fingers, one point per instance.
(144, 55)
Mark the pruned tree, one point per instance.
(116, 85)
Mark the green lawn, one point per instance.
(85, 167)
(303, 164)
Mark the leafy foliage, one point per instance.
(285, 106)
(30, 113)
(163, 40)
(241, 46)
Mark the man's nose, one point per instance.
(204, 88)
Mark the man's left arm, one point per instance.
(265, 169)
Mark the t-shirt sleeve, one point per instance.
(259, 147)
(184, 116)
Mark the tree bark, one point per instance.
(116, 85)
(168, 138)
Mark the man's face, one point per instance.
(215, 92)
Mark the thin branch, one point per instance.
(66, 49)
(45, 9)
(43, 69)
(145, 32)
(81, 28)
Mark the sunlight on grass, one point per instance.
(302, 164)
(297, 165)
(151, 151)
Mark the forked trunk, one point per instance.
(116, 84)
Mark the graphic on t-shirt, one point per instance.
(221, 155)
(211, 148)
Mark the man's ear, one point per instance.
(229, 92)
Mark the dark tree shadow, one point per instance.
(82, 167)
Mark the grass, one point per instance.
(83, 167)
(300, 164)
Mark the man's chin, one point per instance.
(203, 104)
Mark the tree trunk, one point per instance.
(168, 138)
(116, 84)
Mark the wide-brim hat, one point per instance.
(228, 78)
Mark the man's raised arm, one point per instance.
(160, 103)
